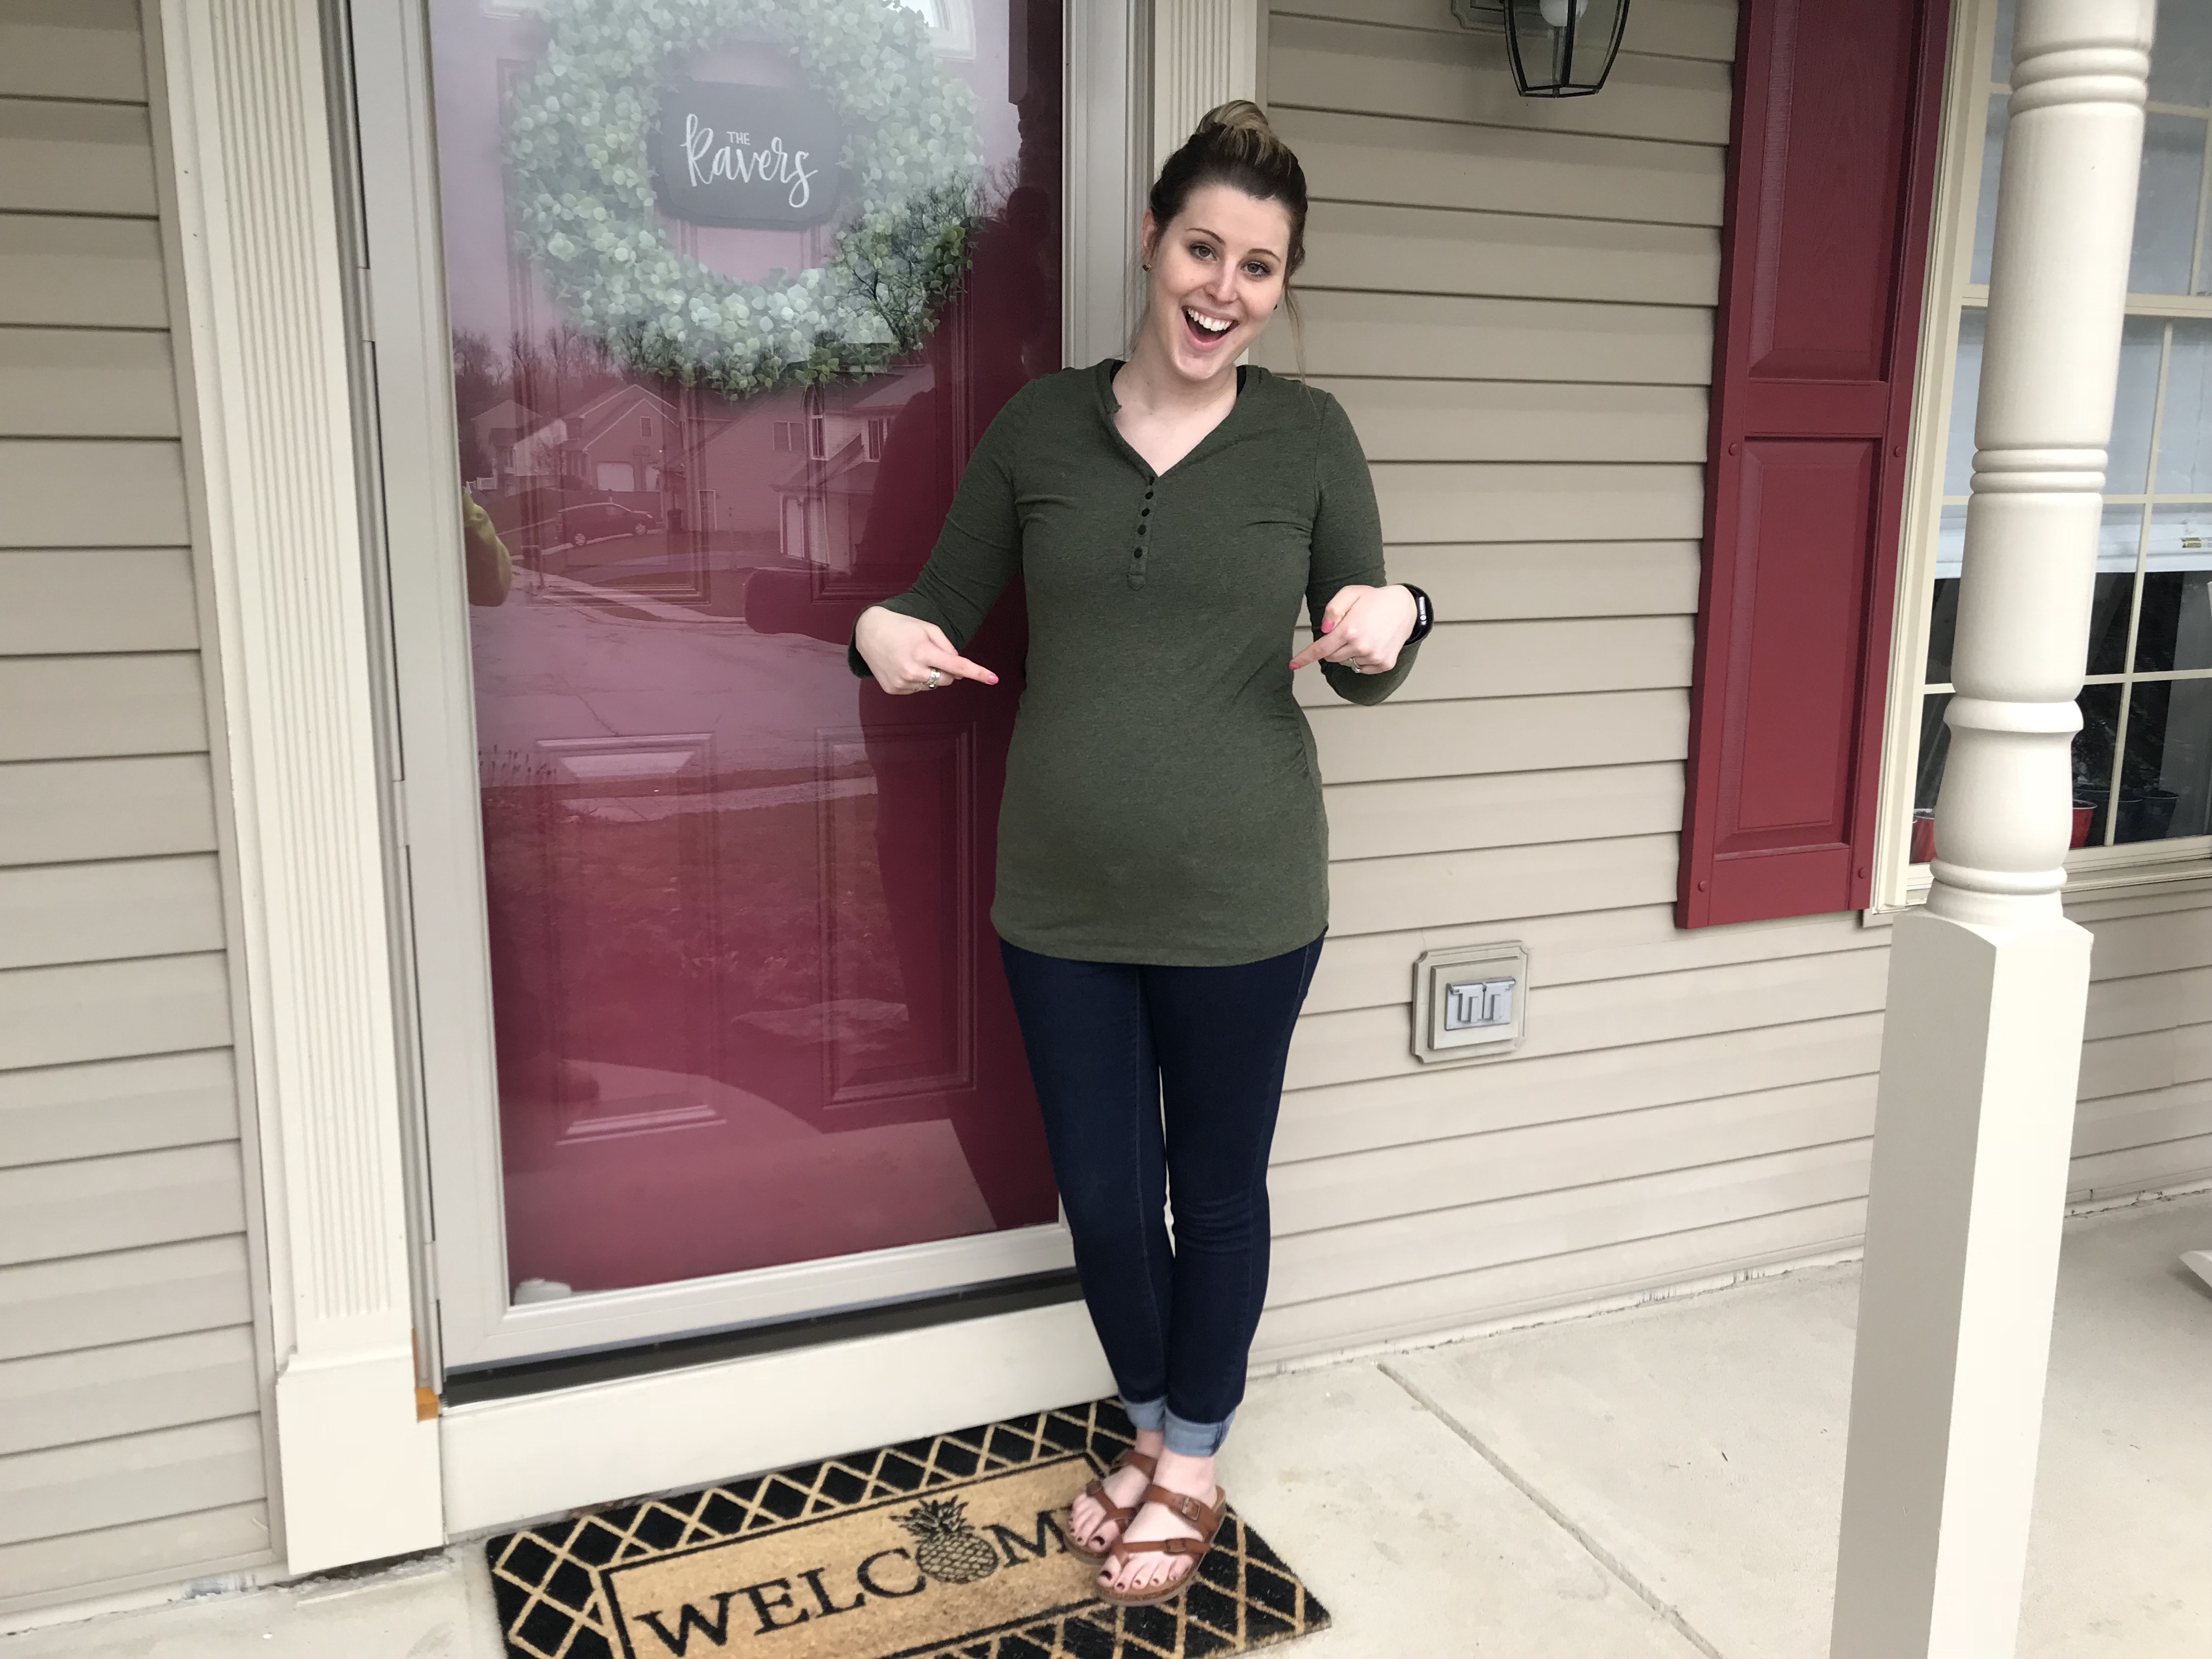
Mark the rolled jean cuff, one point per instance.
(1184, 1438)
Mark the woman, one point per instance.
(1163, 853)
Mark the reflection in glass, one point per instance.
(2166, 780)
(2167, 192)
(2181, 64)
(1943, 629)
(1985, 204)
(2000, 66)
(1965, 399)
(2092, 753)
(2176, 629)
(2185, 435)
(1935, 750)
(1943, 622)
(2119, 537)
(2127, 470)
(748, 1009)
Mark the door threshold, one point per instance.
(471, 1385)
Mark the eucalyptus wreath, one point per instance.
(578, 137)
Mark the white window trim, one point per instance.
(1899, 884)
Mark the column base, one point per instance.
(358, 1471)
(1973, 1127)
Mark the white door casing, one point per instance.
(270, 422)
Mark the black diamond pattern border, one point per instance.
(546, 1582)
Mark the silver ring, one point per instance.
(930, 684)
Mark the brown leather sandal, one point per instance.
(1130, 1458)
(1206, 1517)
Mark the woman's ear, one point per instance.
(1148, 233)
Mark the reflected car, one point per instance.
(599, 521)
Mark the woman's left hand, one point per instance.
(1363, 629)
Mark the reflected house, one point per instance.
(826, 466)
(497, 432)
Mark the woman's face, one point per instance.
(1216, 276)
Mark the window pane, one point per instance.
(2166, 783)
(2176, 630)
(1966, 398)
(1985, 204)
(2128, 470)
(1935, 749)
(2181, 64)
(1942, 628)
(2092, 753)
(2118, 538)
(2007, 10)
(2185, 442)
(2166, 204)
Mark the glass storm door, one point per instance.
(728, 314)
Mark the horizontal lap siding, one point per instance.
(1513, 300)
(130, 1377)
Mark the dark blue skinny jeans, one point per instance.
(1159, 1083)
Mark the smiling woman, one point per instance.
(1163, 853)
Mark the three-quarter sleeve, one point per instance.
(1347, 546)
(978, 549)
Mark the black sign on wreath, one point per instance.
(759, 158)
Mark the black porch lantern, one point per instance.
(1562, 48)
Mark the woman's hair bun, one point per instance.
(1238, 115)
(1235, 144)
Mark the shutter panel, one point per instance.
(1824, 246)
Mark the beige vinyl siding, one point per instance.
(1514, 300)
(132, 1372)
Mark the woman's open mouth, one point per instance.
(1205, 329)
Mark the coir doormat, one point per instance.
(938, 1548)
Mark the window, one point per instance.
(2142, 760)
(879, 433)
(645, 426)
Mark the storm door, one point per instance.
(730, 288)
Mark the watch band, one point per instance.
(1425, 614)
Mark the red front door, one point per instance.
(748, 1005)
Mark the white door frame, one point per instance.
(1106, 159)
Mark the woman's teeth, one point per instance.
(1207, 325)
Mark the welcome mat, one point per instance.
(953, 1545)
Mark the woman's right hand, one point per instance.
(901, 650)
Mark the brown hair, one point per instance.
(1234, 145)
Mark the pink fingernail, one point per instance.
(990, 679)
(1326, 625)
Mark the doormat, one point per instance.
(951, 1547)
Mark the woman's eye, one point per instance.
(1255, 268)
(1201, 251)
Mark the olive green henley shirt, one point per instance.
(1162, 801)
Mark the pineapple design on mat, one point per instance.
(946, 1546)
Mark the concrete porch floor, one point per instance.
(1660, 1482)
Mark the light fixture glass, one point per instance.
(1562, 48)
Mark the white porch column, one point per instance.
(247, 165)
(1982, 1050)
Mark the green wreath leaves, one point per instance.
(578, 140)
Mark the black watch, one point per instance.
(1425, 615)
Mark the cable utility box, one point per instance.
(1470, 1002)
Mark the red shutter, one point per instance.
(1824, 244)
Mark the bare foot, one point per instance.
(1143, 1569)
(1094, 1528)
